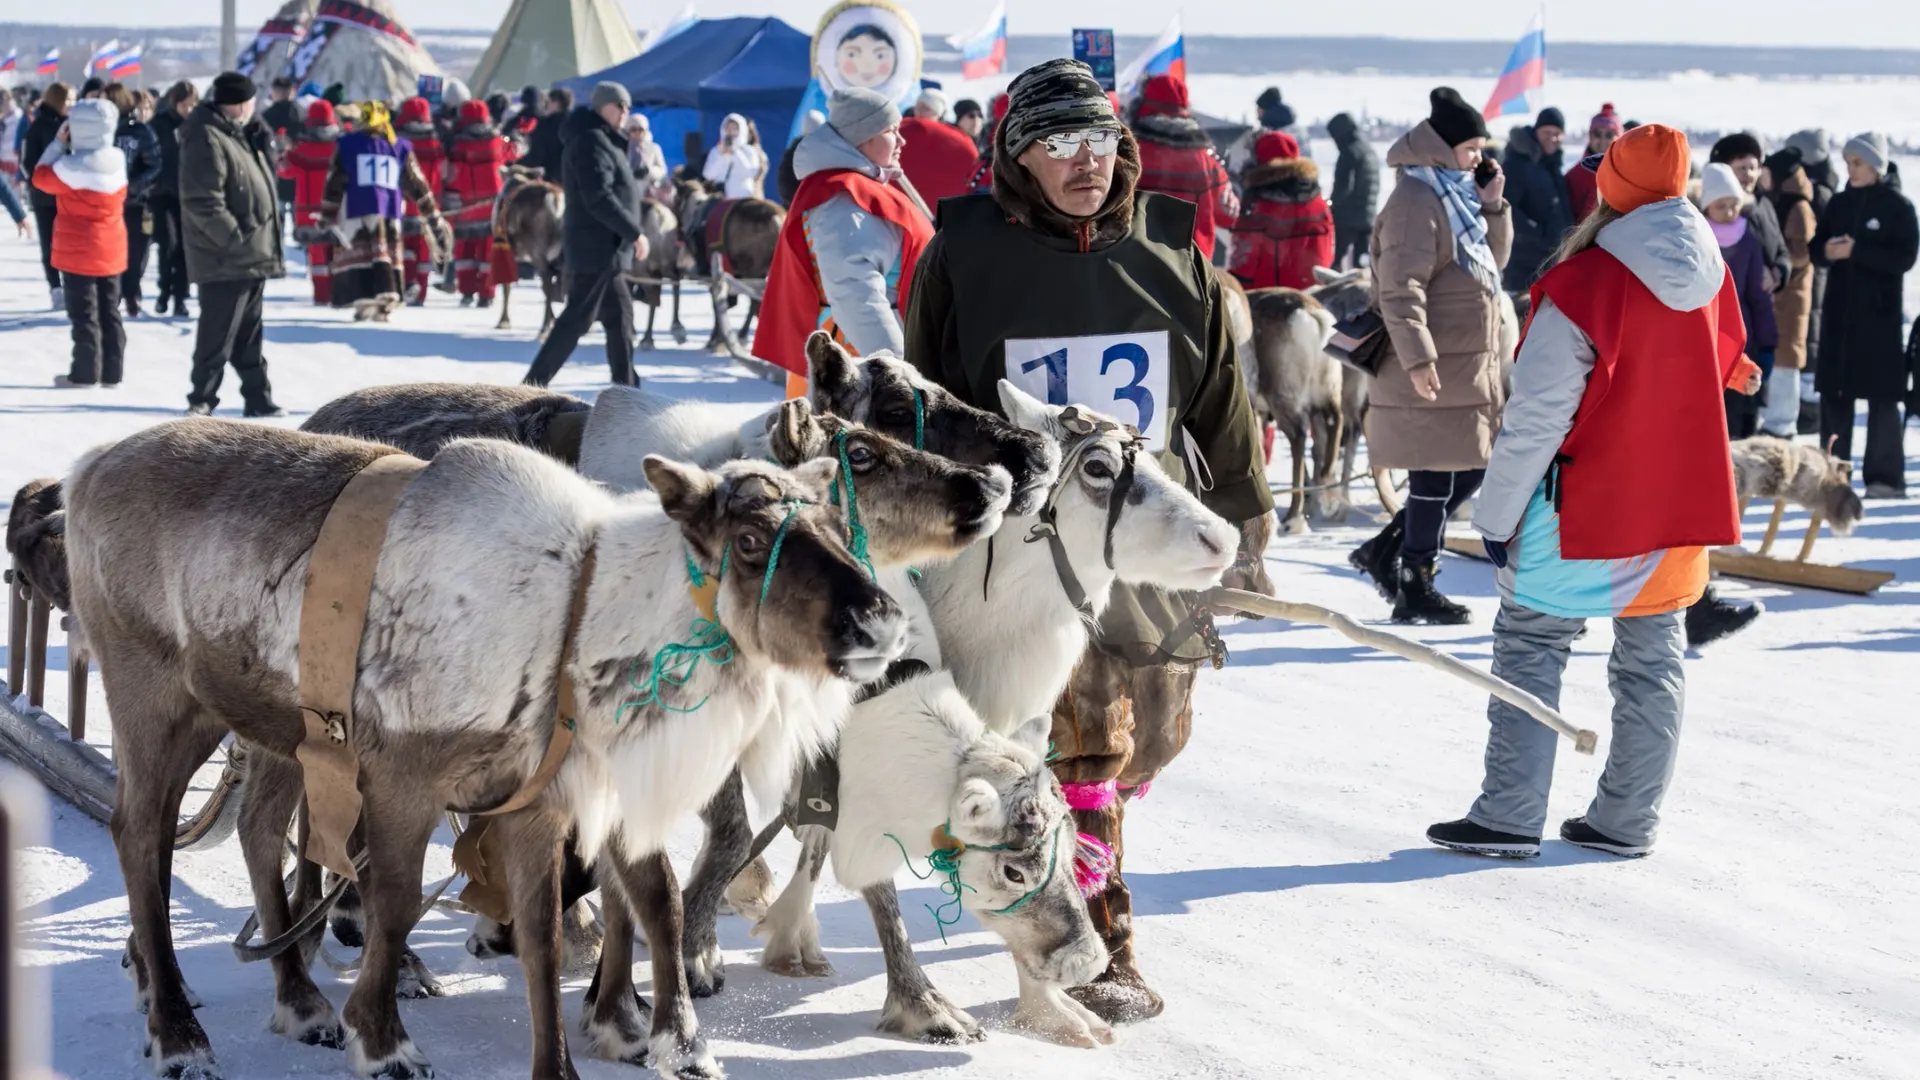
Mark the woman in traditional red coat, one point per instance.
(475, 156)
(1285, 228)
(306, 163)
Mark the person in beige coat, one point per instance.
(1792, 194)
(1438, 249)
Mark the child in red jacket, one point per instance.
(1285, 228)
(87, 176)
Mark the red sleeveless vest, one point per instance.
(794, 300)
(1646, 466)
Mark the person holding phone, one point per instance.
(735, 165)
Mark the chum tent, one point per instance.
(542, 42)
(757, 67)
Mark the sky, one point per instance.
(1862, 23)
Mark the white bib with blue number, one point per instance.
(1121, 375)
(377, 171)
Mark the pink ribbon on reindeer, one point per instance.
(1095, 796)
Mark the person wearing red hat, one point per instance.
(417, 127)
(938, 158)
(1177, 158)
(1285, 228)
(1608, 484)
(476, 155)
(306, 163)
(1582, 192)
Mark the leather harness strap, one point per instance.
(333, 618)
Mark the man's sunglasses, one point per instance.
(1104, 142)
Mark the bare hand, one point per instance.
(1840, 247)
(1495, 189)
(25, 225)
(65, 134)
(1426, 382)
(1753, 384)
(1773, 280)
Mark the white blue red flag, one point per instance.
(984, 52)
(1166, 56)
(12, 61)
(50, 63)
(1524, 76)
(126, 65)
(102, 57)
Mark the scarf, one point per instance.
(374, 117)
(1462, 202)
(1730, 234)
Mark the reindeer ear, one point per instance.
(818, 475)
(794, 432)
(1325, 276)
(1025, 410)
(978, 816)
(829, 367)
(684, 489)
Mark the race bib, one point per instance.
(377, 170)
(1122, 375)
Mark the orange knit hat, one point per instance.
(1646, 165)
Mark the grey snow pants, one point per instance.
(1530, 650)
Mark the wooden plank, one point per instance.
(1734, 562)
(74, 771)
(1468, 544)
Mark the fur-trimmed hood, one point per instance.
(1288, 180)
(418, 132)
(1182, 132)
(323, 133)
(1019, 195)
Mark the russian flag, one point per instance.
(102, 56)
(12, 61)
(1166, 56)
(50, 63)
(1520, 83)
(984, 52)
(126, 65)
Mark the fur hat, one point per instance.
(1718, 182)
(475, 112)
(1649, 164)
(1732, 148)
(416, 110)
(1870, 147)
(1551, 117)
(1054, 96)
(859, 114)
(320, 114)
(1452, 118)
(610, 93)
(1605, 120)
(90, 124)
(1164, 95)
(1275, 146)
(232, 88)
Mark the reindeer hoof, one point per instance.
(689, 1062)
(930, 1018)
(405, 1063)
(200, 1068)
(706, 974)
(1295, 526)
(309, 1023)
(416, 982)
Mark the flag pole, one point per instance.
(228, 46)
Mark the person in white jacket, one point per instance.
(735, 164)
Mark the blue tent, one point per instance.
(757, 67)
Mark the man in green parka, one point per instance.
(1071, 284)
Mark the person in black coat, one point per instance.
(168, 239)
(1356, 191)
(1537, 191)
(599, 231)
(142, 149)
(544, 151)
(41, 131)
(1867, 239)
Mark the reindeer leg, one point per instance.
(914, 1008)
(646, 339)
(268, 799)
(729, 836)
(506, 301)
(1048, 1011)
(615, 1020)
(791, 928)
(535, 837)
(397, 828)
(676, 1046)
(1295, 429)
(679, 330)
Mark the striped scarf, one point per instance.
(1462, 202)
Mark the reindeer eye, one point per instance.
(860, 457)
(1099, 469)
(1015, 876)
(749, 543)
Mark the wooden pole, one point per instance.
(1773, 525)
(1813, 533)
(229, 29)
(1234, 601)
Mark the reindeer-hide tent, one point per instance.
(757, 67)
(543, 41)
(361, 44)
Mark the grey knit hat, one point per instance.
(1812, 144)
(611, 93)
(1870, 147)
(90, 125)
(859, 114)
(1051, 97)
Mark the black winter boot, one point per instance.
(1711, 618)
(1379, 557)
(1419, 602)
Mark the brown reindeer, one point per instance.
(665, 263)
(528, 215)
(747, 237)
(1297, 385)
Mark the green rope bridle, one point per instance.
(945, 862)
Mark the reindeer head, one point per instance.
(914, 505)
(888, 395)
(1839, 503)
(1114, 504)
(1018, 858)
(1346, 295)
(790, 591)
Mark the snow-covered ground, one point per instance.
(1286, 903)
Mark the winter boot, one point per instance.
(1378, 557)
(1419, 602)
(1464, 835)
(1711, 618)
(1120, 995)
(1577, 832)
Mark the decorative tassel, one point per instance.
(1095, 796)
(1092, 864)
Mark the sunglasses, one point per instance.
(1104, 142)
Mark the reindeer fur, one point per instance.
(1297, 385)
(1807, 476)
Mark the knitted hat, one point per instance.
(1605, 120)
(415, 110)
(497, 105)
(859, 114)
(1718, 182)
(1268, 98)
(1275, 114)
(610, 93)
(1452, 118)
(1732, 148)
(530, 97)
(1551, 117)
(1812, 144)
(232, 88)
(455, 94)
(90, 125)
(1275, 146)
(1870, 147)
(1054, 96)
(320, 114)
(1164, 95)
(966, 107)
(934, 100)
(1645, 165)
(92, 86)
(475, 112)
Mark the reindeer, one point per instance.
(748, 239)
(1297, 385)
(666, 262)
(1808, 476)
(528, 217)
(189, 545)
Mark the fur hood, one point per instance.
(1181, 132)
(1019, 195)
(324, 133)
(1291, 180)
(418, 132)
(477, 132)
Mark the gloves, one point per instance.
(1496, 553)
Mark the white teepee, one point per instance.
(542, 41)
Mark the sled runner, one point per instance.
(1800, 570)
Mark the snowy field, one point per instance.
(1287, 905)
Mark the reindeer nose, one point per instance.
(1210, 541)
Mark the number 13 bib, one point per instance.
(1122, 375)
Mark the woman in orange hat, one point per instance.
(1608, 482)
